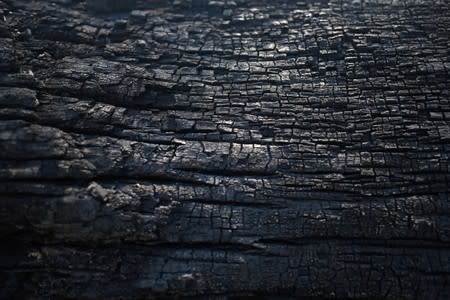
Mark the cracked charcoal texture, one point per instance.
(224, 149)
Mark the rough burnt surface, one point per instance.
(224, 149)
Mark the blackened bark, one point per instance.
(223, 149)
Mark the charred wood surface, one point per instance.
(224, 149)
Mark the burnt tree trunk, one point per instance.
(224, 149)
